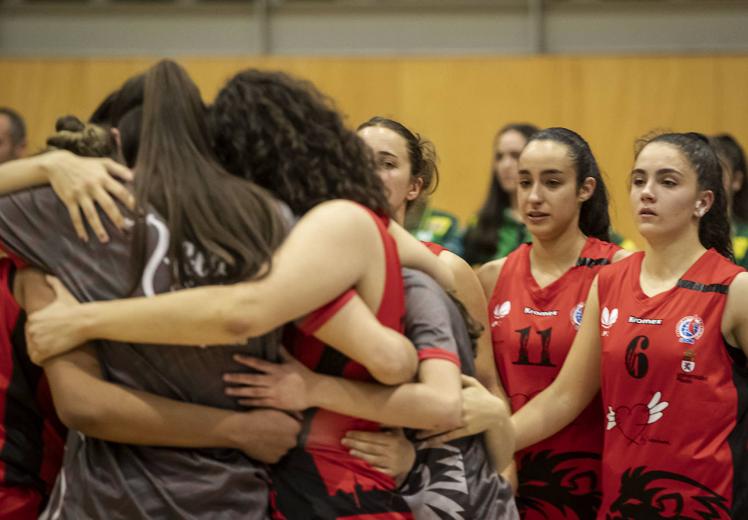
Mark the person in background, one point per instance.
(12, 135)
(732, 158)
(498, 230)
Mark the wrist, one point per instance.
(87, 323)
(317, 389)
(46, 163)
(233, 431)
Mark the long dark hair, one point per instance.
(283, 134)
(421, 154)
(223, 229)
(123, 109)
(733, 153)
(714, 226)
(594, 219)
(480, 241)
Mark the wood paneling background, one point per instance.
(456, 102)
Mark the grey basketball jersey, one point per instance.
(455, 480)
(102, 479)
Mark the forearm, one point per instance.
(114, 413)
(189, 317)
(389, 356)
(411, 405)
(547, 414)
(23, 173)
(500, 439)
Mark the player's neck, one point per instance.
(670, 257)
(558, 254)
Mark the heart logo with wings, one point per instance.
(632, 421)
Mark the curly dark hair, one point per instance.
(286, 136)
(714, 226)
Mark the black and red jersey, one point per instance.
(532, 330)
(31, 436)
(320, 479)
(675, 394)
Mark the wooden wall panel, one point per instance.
(457, 102)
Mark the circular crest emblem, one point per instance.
(576, 314)
(689, 329)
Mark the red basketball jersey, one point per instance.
(675, 394)
(31, 436)
(532, 330)
(320, 478)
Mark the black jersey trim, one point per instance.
(11, 278)
(591, 262)
(738, 439)
(23, 450)
(700, 287)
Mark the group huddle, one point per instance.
(238, 324)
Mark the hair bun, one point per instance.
(69, 123)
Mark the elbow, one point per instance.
(395, 367)
(239, 316)
(80, 416)
(447, 413)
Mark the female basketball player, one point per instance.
(664, 335)
(295, 194)
(88, 494)
(536, 297)
(434, 325)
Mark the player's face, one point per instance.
(8, 149)
(547, 192)
(664, 193)
(393, 165)
(507, 148)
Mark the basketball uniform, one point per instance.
(532, 331)
(103, 479)
(455, 480)
(675, 396)
(319, 479)
(31, 436)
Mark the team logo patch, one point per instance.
(608, 317)
(689, 329)
(689, 361)
(631, 421)
(576, 315)
(501, 311)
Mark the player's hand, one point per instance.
(55, 329)
(284, 386)
(480, 410)
(387, 451)
(267, 435)
(84, 182)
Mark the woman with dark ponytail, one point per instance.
(665, 337)
(498, 229)
(732, 158)
(536, 300)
